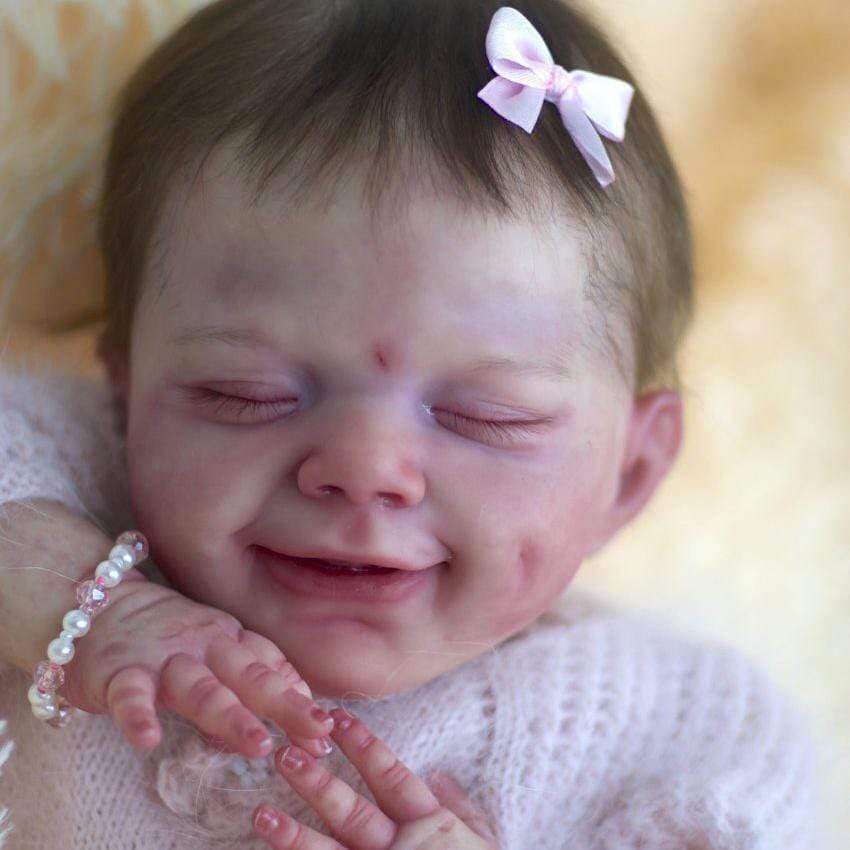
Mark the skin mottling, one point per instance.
(381, 448)
(240, 279)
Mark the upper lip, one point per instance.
(361, 558)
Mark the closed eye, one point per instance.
(496, 427)
(239, 405)
(270, 408)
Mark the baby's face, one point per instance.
(386, 422)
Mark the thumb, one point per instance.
(451, 796)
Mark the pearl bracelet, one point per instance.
(131, 548)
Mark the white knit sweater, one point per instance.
(589, 730)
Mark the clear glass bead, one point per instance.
(91, 597)
(136, 542)
(110, 572)
(48, 676)
(122, 556)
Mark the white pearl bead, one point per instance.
(121, 564)
(45, 712)
(110, 572)
(64, 715)
(36, 697)
(123, 556)
(60, 651)
(76, 622)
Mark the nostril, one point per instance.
(387, 499)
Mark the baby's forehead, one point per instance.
(415, 234)
(437, 267)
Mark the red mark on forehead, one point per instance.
(382, 352)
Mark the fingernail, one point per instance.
(259, 737)
(321, 716)
(343, 720)
(293, 758)
(266, 822)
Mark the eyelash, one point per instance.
(254, 405)
(226, 401)
(500, 428)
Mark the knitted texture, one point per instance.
(59, 439)
(588, 730)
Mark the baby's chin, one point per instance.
(357, 677)
(352, 673)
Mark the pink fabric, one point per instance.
(589, 103)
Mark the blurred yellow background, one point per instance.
(748, 540)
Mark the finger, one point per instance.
(269, 653)
(438, 831)
(192, 690)
(351, 818)
(397, 790)
(130, 699)
(282, 832)
(266, 691)
(452, 796)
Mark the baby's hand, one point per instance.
(408, 815)
(152, 646)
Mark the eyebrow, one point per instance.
(556, 367)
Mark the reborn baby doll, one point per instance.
(392, 345)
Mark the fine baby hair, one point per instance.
(309, 86)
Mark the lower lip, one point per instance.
(297, 575)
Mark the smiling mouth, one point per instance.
(315, 578)
(342, 568)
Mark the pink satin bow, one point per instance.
(589, 104)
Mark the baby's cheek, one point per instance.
(185, 495)
(546, 567)
(527, 568)
(190, 476)
(539, 573)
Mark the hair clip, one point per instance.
(589, 103)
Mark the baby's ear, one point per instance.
(653, 439)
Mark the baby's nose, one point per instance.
(388, 499)
(366, 472)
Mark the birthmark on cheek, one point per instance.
(528, 566)
(519, 601)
